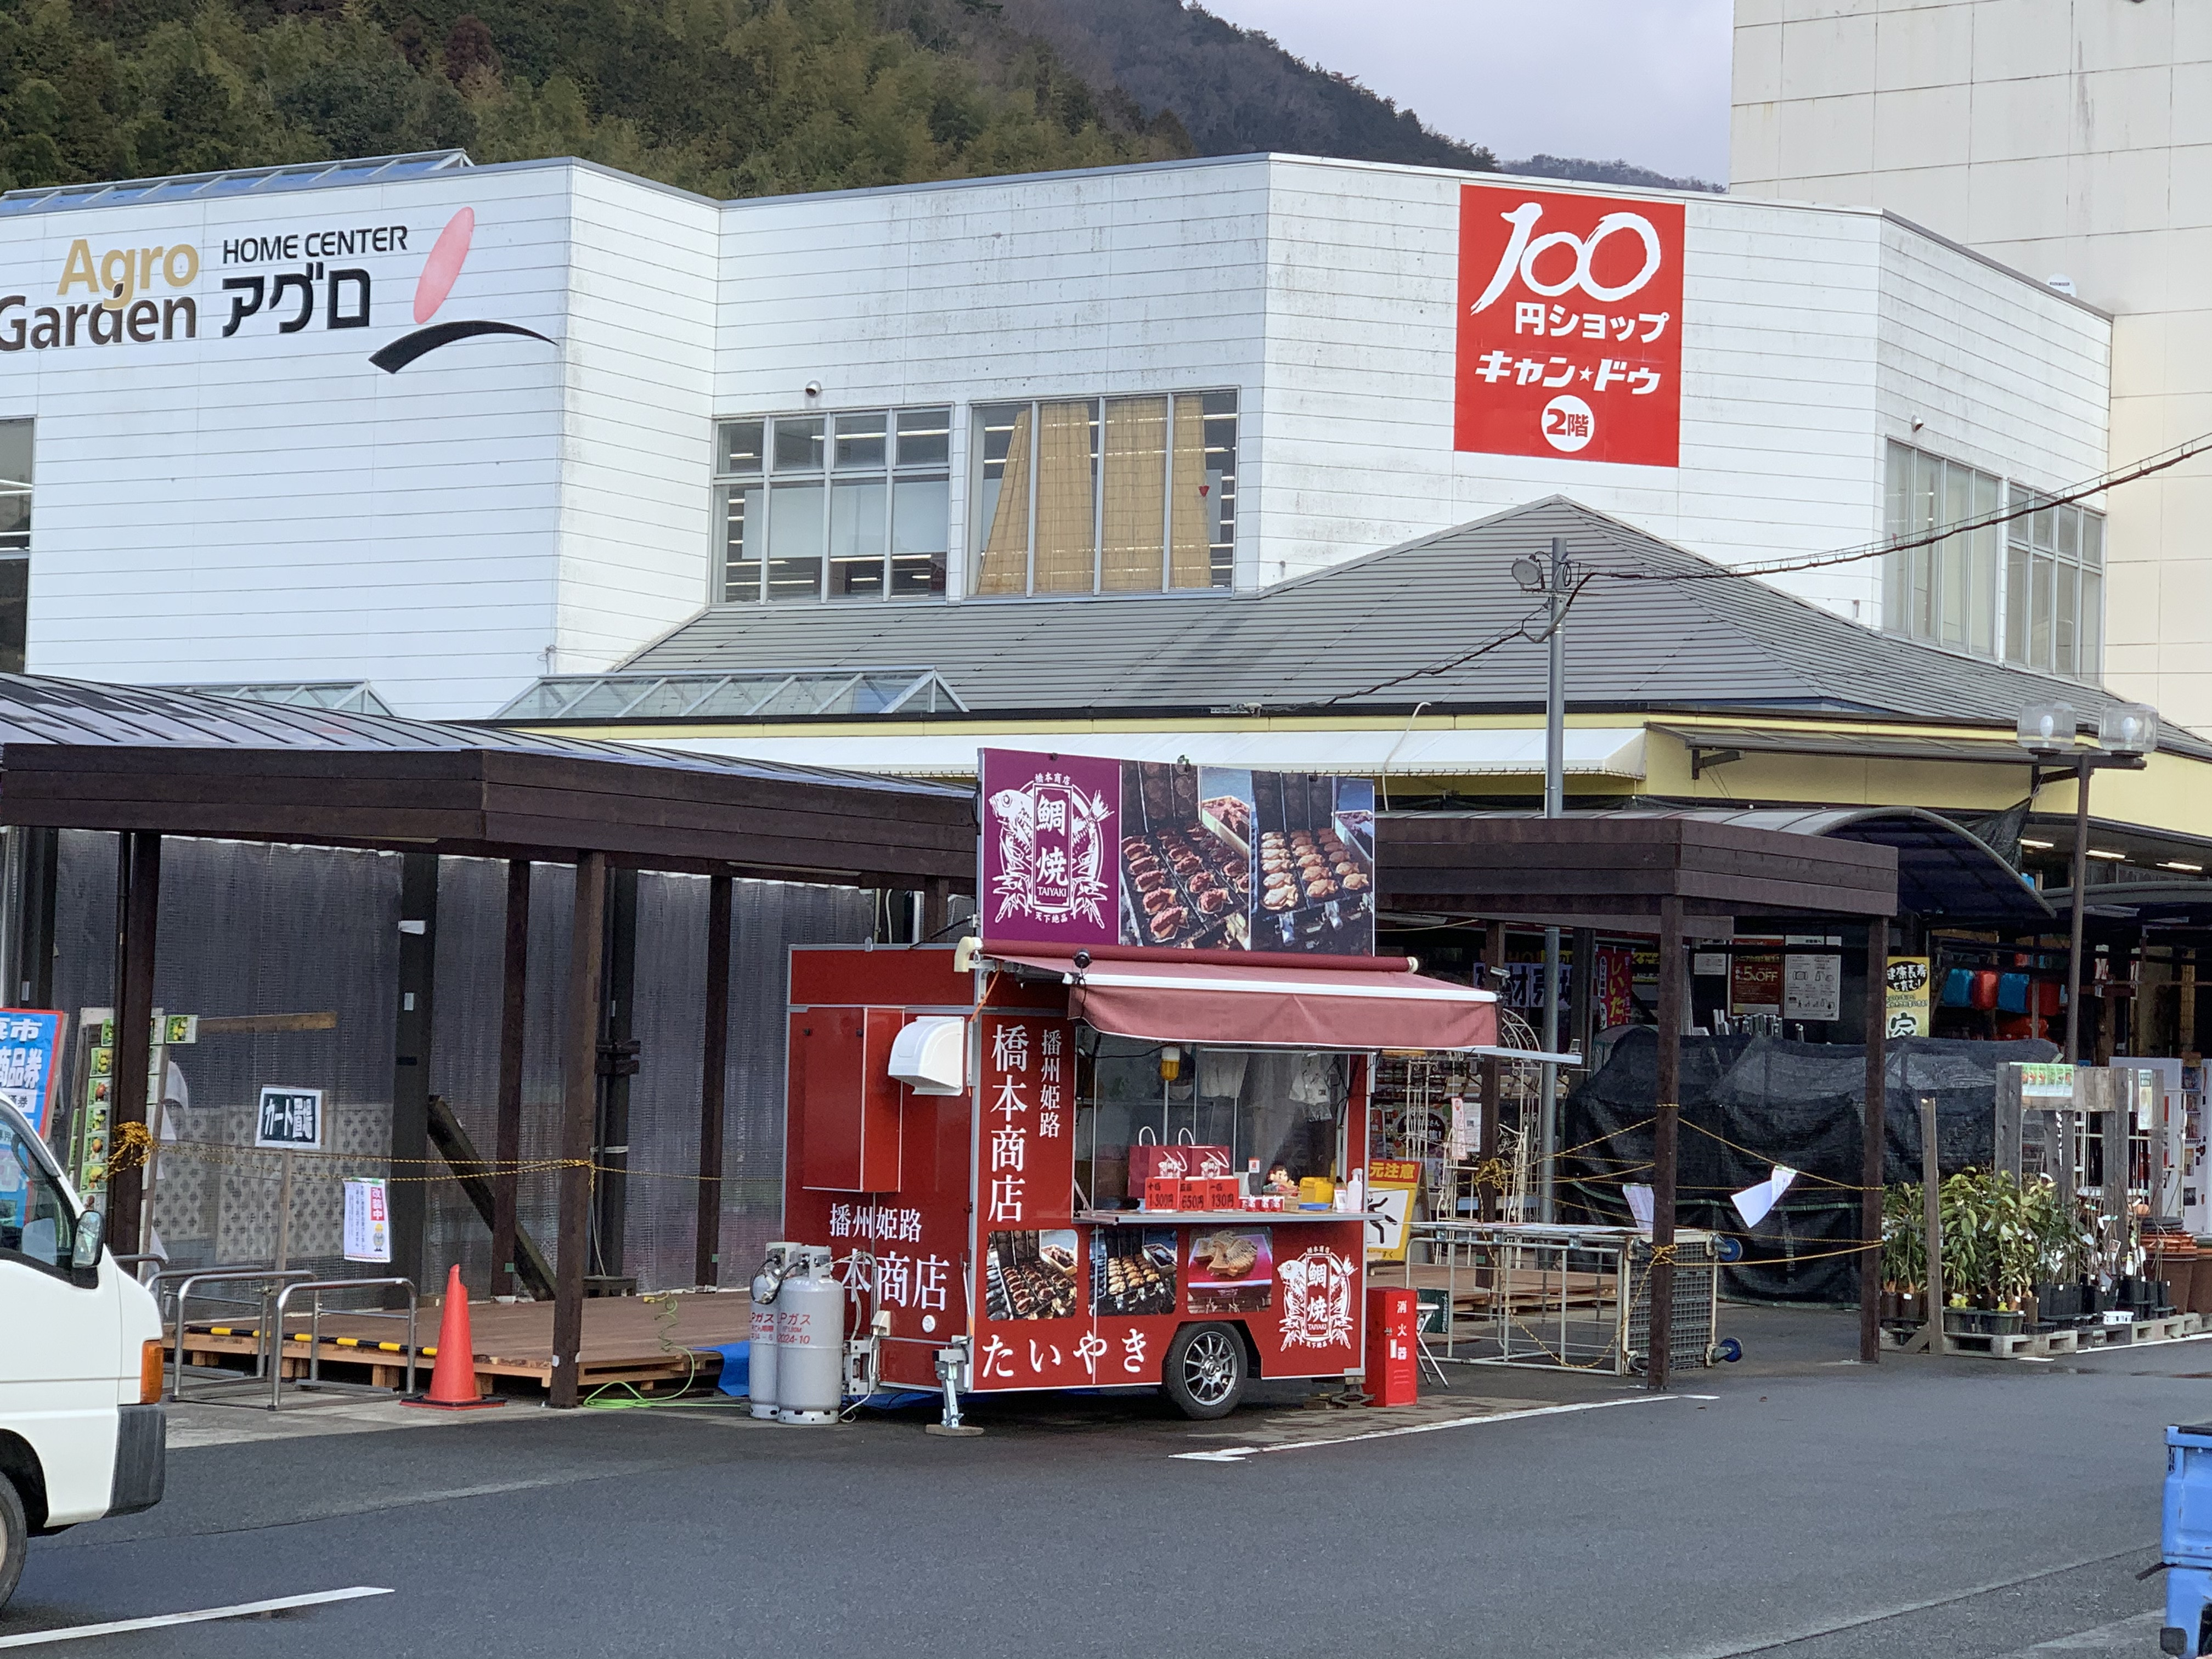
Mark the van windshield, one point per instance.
(36, 1220)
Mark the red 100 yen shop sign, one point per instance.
(1569, 325)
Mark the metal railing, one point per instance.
(184, 1280)
(314, 1377)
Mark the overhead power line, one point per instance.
(2030, 504)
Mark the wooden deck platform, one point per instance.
(623, 1341)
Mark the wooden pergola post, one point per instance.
(137, 905)
(1665, 1131)
(514, 1004)
(413, 1035)
(580, 1079)
(1874, 1159)
(714, 1077)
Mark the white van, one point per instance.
(82, 1432)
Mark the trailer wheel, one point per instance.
(14, 1538)
(1205, 1371)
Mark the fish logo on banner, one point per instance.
(1052, 836)
(1317, 1293)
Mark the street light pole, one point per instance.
(2126, 733)
(2082, 767)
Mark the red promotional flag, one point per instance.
(1569, 325)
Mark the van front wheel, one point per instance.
(14, 1538)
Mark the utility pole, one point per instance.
(1552, 577)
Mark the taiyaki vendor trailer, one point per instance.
(1068, 1153)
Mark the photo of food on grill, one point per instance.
(1232, 1270)
(1133, 1270)
(1186, 856)
(1032, 1275)
(1314, 859)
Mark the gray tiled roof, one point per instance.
(1331, 640)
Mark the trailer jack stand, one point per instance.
(951, 1363)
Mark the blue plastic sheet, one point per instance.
(736, 1368)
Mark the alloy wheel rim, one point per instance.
(1209, 1369)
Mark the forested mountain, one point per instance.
(726, 97)
(1233, 89)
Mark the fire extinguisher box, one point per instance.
(1394, 1377)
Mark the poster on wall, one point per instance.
(1080, 851)
(30, 1042)
(1907, 1001)
(368, 1233)
(1569, 325)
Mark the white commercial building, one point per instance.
(2071, 139)
(446, 429)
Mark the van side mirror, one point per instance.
(90, 1226)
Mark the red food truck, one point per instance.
(1067, 1154)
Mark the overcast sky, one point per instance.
(1646, 80)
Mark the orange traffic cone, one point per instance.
(453, 1384)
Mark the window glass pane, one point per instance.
(799, 443)
(999, 505)
(2092, 541)
(739, 448)
(15, 521)
(794, 529)
(860, 440)
(2016, 602)
(1135, 504)
(2066, 579)
(741, 530)
(2043, 529)
(1066, 507)
(925, 437)
(2070, 532)
(1220, 411)
(856, 537)
(1982, 552)
(15, 453)
(1897, 522)
(920, 510)
(2039, 625)
(35, 1220)
(2092, 626)
(1958, 504)
(1190, 522)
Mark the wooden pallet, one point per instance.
(621, 1343)
(2043, 1345)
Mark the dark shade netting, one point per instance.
(1749, 1103)
(247, 928)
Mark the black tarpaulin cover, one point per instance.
(1749, 1103)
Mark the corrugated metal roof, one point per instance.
(39, 709)
(234, 181)
(1395, 629)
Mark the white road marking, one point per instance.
(1238, 1454)
(243, 1610)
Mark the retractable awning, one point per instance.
(1273, 1007)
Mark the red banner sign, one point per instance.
(1569, 325)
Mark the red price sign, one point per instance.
(1569, 325)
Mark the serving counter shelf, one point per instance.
(1204, 1218)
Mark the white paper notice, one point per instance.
(1754, 1202)
(1640, 1205)
(1811, 988)
(367, 1222)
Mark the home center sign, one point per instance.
(1569, 325)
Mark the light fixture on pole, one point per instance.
(2126, 733)
(1553, 575)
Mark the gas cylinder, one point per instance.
(810, 1340)
(760, 1366)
